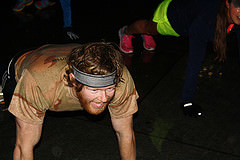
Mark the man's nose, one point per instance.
(103, 96)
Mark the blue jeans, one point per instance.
(67, 13)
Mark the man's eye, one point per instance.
(94, 90)
(110, 89)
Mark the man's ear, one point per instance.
(72, 79)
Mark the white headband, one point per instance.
(96, 81)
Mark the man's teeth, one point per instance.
(99, 104)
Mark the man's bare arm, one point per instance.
(126, 137)
(27, 137)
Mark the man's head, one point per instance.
(94, 71)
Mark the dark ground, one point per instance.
(162, 131)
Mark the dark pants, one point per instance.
(9, 83)
(8, 79)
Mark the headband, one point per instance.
(95, 81)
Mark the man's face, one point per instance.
(95, 100)
(233, 13)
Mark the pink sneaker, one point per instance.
(148, 42)
(125, 41)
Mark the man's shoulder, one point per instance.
(126, 87)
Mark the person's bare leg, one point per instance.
(142, 27)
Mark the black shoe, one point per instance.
(192, 110)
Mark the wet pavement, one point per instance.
(162, 131)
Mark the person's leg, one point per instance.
(197, 51)
(190, 85)
(67, 13)
(67, 19)
(142, 27)
(8, 78)
(8, 81)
